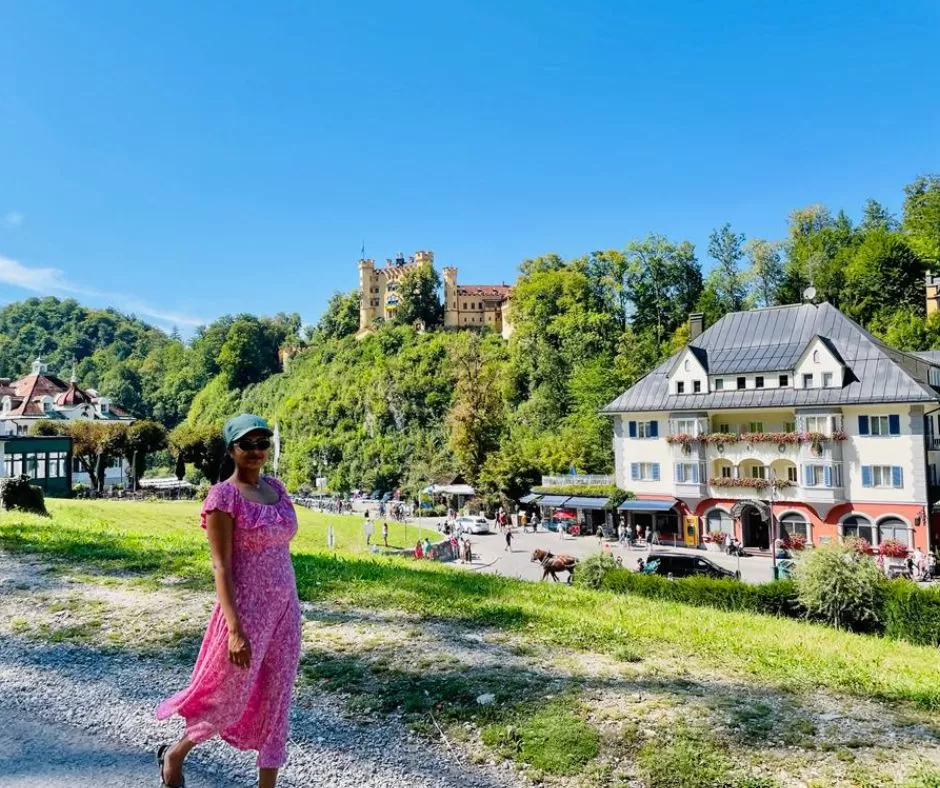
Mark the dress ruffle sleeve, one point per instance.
(222, 498)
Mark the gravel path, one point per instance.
(100, 708)
(69, 712)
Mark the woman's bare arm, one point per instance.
(219, 527)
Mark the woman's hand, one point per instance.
(239, 649)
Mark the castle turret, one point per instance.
(451, 307)
(424, 257)
(367, 310)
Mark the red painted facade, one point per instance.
(827, 527)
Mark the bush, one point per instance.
(202, 489)
(843, 586)
(778, 598)
(912, 613)
(593, 571)
(17, 493)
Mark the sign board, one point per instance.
(690, 531)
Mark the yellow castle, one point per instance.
(465, 306)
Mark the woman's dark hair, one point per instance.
(226, 467)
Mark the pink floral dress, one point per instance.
(249, 707)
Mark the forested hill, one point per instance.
(150, 373)
(401, 407)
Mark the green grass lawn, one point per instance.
(156, 540)
(669, 655)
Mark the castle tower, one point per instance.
(424, 257)
(367, 310)
(933, 293)
(451, 311)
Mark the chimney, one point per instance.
(696, 325)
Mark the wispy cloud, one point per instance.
(53, 281)
(13, 219)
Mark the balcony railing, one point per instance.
(578, 480)
(934, 443)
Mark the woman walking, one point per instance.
(243, 680)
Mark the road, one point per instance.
(491, 556)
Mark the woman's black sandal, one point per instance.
(161, 756)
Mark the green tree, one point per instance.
(141, 439)
(201, 445)
(419, 297)
(840, 584)
(725, 248)
(921, 216)
(876, 217)
(476, 417)
(765, 271)
(885, 273)
(663, 282)
(341, 317)
(95, 444)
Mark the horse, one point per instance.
(553, 564)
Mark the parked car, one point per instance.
(684, 565)
(472, 525)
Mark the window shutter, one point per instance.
(695, 477)
(632, 430)
(827, 475)
(634, 469)
(894, 424)
(808, 479)
(897, 476)
(679, 472)
(866, 476)
(654, 429)
(863, 425)
(655, 469)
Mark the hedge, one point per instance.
(910, 613)
(777, 599)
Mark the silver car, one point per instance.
(472, 525)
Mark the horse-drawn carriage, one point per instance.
(554, 564)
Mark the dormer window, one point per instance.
(827, 380)
(104, 406)
(680, 387)
(686, 366)
(47, 404)
(697, 386)
(815, 356)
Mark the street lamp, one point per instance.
(773, 522)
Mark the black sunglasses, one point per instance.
(253, 444)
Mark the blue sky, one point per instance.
(184, 160)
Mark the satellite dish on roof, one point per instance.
(809, 293)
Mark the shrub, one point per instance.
(202, 489)
(593, 571)
(912, 613)
(17, 493)
(843, 586)
(777, 599)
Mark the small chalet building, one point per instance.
(43, 396)
(795, 411)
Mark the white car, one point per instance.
(472, 525)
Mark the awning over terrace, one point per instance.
(637, 505)
(530, 498)
(586, 502)
(554, 500)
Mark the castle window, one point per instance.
(481, 305)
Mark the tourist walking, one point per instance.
(243, 680)
(508, 547)
(385, 533)
(369, 529)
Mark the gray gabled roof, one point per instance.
(772, 340)
(931, 356)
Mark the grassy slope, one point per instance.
(162, 539)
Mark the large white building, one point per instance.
(43, 396)
(794, 410)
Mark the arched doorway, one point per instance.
(755, 523)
